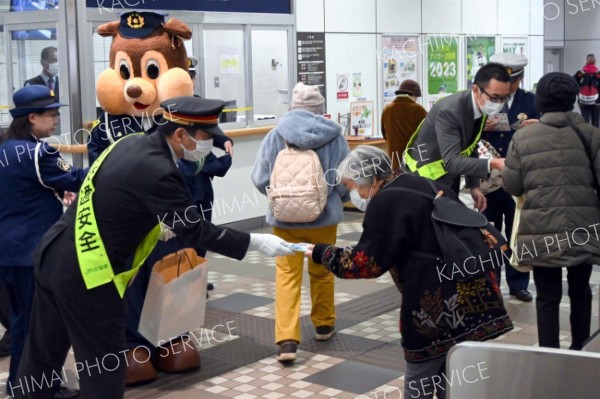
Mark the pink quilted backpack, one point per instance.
(298, 190)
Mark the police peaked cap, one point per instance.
(191, 111)
(33, 98)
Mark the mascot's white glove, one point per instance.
(165, 233)
(268, 245)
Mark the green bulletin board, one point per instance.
(442, 65)
(479, 52)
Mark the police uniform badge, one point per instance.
(63, 165)
(135, 21)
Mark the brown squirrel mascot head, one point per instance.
(148, 64)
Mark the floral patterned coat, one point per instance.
(436, 312)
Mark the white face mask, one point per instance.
(203, 148)
(53, 68)
(359, 202)
(490, 108)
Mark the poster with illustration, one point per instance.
(361, 118)
(356, 85)
(342, 84)
(399, 55)
(442, 65)
(479, 51)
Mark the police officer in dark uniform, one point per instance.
(80, 263)
(34, 181)
(500, 205)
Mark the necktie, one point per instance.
(51, 83)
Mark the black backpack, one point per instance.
(471, 246)
(588, 87)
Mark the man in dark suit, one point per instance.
(444, 146)
(81, 262)
(519, 108)
(49, 75)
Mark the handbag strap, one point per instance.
(185, 252)
(588, 150)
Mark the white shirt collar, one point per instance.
(476, 113)
(510, 100)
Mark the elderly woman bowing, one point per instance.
(436, 313)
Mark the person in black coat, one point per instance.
(80, 304)
(437, 312)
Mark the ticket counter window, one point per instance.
(35, 58)
(31, 5)
(270, 80)
(225, 71)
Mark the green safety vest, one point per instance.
(436, 169)
(91, 253)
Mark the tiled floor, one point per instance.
(363, 360)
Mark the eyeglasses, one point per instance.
(494, 99)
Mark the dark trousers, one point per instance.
(4, 308)
(590, 114)
(18, 282)
(65, 313)
(5, 313)
(548, 284)
(501, 210)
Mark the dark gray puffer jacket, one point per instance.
(560, 220)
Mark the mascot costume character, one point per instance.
(148, 65)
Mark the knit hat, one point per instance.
(308, 98)
(556, 92)
(409, 87)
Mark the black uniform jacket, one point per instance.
(137, 186)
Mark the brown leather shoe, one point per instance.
(140, 369)
(178, 356)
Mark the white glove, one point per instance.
(165, 233)
(268, 245)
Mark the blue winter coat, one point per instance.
(33, 179)
(306, 130)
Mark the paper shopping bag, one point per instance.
(175, 302)
(514, 259)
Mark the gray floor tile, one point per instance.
(239, 302)
(351, 376)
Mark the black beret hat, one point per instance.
(556, 92)
(202, 113)
(409, 87)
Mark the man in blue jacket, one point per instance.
(519, 107)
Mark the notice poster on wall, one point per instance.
(311, 59)
(516, 45)
(229, 64)
(357, 85)
(361, 118)
(342, 86)
(479, 51)
(399, 62)
(442, 65)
